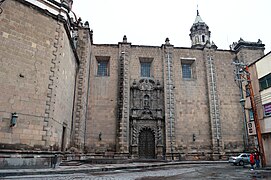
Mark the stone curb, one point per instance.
(113, 167)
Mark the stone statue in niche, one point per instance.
(146, 102)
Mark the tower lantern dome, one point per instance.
(199, 33)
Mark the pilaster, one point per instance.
(214, 107)
(169, 99)
(52, 86)
(83, 48)
(124, 97)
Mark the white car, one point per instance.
(240, 160)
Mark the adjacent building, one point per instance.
(260, 73)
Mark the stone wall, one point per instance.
(232, 123)
(37, 78)
(207, 118)
(62, 102)
(192, 109)
(102, 109)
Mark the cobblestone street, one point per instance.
(191, 171)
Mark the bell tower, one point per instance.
(199, 33)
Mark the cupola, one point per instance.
(199, 33)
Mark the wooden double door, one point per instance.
(146, 148)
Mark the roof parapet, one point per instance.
(236, 46)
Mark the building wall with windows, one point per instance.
(206, 118)
(101, 123)
(138, 101)
(261, 83)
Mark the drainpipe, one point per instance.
(242, 102)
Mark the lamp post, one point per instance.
(242, 102)
(13, 120)
(243, 74)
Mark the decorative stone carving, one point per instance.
(159, 135)
(146, 99)
(147, 112)
(134, 136)
(146, 84)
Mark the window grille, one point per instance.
(186, 70)
(102, 68)
(145, 69)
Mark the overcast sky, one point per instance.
(150, 22)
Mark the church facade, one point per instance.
(166, 101)
(61, 92)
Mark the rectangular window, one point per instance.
(102, 66)
(188, 68)
(145, 67)
(265, 82)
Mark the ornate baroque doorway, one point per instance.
(146, 144)
(147, 127)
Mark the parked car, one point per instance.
(242, 159)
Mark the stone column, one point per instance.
(159, 135)
(134, 140)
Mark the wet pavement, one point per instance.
(169, 172)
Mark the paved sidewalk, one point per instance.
(87, 168)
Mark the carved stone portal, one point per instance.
(147, 125)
